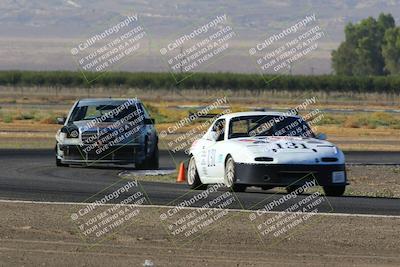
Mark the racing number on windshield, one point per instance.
(211, 157)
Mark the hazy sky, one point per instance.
(40, 35)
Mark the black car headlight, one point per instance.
(73, 134)
(70, 132)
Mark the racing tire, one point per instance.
(230, 176)
(58, 161)
(153, 162)
(193, 178)
(150, 163)
(60, 164)
(267, 187)
(141, 166)
(293, 188)
(334, 191)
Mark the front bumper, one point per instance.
(123, 154)
(287, 174)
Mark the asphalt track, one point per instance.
(32, 175)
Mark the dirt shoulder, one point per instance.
(366, 181)
(44, 235)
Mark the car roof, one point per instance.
(257, 113)
(105, 101)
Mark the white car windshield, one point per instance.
(248, 126)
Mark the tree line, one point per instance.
(231, 81)
(371, 47)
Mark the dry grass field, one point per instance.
(355, 121)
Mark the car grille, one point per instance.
(89, 137)
(124, 152)
(293, 176)
(92, 137)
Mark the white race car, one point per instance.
(265, 149)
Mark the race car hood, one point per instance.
(287, 150)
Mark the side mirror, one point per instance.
(148, 121)
(321, 136)
(61, 120)
(212, 136)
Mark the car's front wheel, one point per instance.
(294, 188)
(193, 178)
(58, 161)
(334, 191)
(230, 176)
(267, 187)
(60, 164)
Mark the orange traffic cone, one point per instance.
(181, 174)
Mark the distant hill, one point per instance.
(38, 34)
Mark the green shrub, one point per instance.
(330, 119)
(7, 118)
(371, 121)
(26, 115)
(156, 114)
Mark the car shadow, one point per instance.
(273, 192)
(117, 167)
(105, 167)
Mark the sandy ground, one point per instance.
(370, 181)
(373, 181)
(44, 235)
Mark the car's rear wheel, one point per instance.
(150, 163)
(193, 178)
(153, 162)
(230, 176)
(334, 191)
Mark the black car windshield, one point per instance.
(108, 112)
(248, 126)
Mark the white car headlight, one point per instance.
(62, 136)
